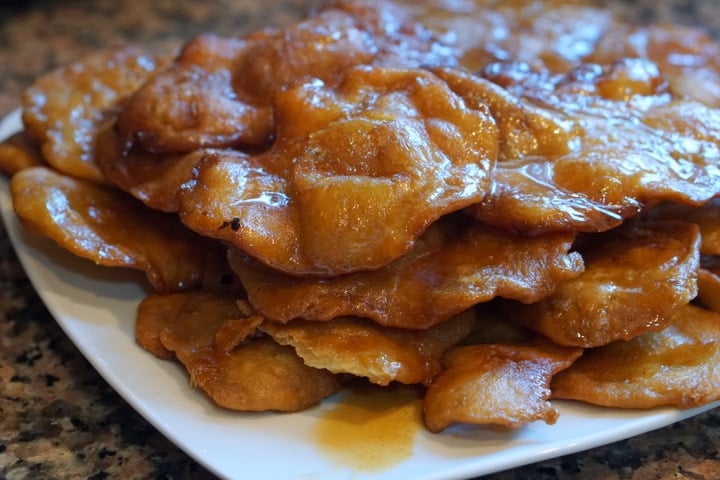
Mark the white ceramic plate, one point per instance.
(95, 306)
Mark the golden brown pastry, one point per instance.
(112, 229)
(256, 374)
(364, 349)
(506, 385)
(453, 267)
(676, 366)
(64, 109)
(635, 279)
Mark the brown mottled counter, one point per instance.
(59, 419)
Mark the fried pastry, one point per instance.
(696, 76)
(368, 166)
(192, 104)
(113, 229)
(462, 195)
(19, 152)
(628, 143)
(154, 179)
(256, 375)
(676, 366)
(555, 35)
(64, 109)
(259, 376)
(219, 91)
(504, 385)
(154, 314)
(451, 268)
(707, 217)
(709, 289)
(635, 279)
(364, 349)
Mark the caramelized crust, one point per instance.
(635, 279)
(504, 385)
(549, 34)
(450, 269)
(192, 104)
(154, 179)
(686, 56)
(709, 289)
(219, 91)
(706, 217)
(364, 349)
(594, 146)
(18, 152)
(64, 109)
(676, 366)
(113, 229)
(407, 192)
(357, 173)
(256, 375)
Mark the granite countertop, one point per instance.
(59, 419)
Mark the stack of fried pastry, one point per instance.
(503, 203)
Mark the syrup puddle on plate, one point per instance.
(370, 428)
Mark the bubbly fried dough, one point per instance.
(160, 316)
(233, 333)
(219, 91)
(635, 278)
(256, 375)
(525, 196)
(451, 268)
(628, 142)
(259, 376)
(524, 200)
(709, 289)
(548, 34)
(366, 166)
(63, 109)
(707, 217)
(676, 366)
(473, 196)
(559, 35)
(153, 314)
(112, 229)
(496, 384)
(154, 179)
(697, 76)
(362, 348)
(524, 129)
(18, 152)
(398, 39)
(193, 104)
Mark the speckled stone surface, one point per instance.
(59, 419)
